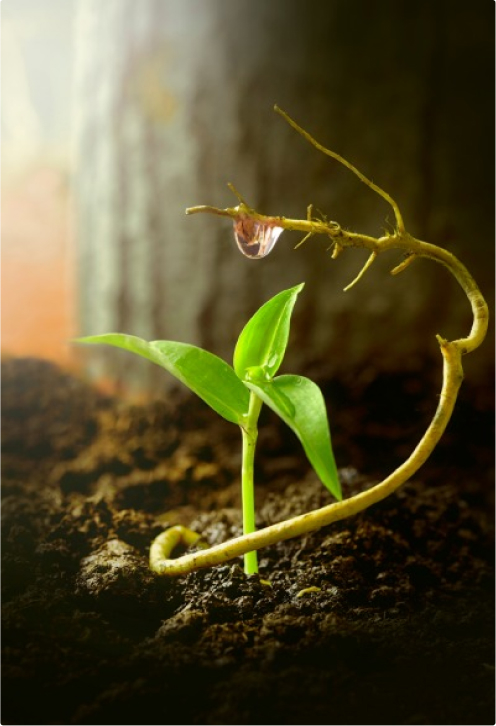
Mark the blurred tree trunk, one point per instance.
(174, 99)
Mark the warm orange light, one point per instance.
(37, 267)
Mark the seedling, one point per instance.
(238, 394)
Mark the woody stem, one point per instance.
(452, 352)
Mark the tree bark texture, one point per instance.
(174, 99)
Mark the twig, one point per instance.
(452, 352)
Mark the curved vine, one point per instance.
(451, 351)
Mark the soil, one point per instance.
(384, 618)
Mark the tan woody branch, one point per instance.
(452, 352)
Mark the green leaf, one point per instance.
(211, 378)
(300, 404)
(264, 338)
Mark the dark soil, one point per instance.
(399, 631)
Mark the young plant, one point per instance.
(256, 235)
(297, 400)
(238, 394)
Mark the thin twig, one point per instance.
(452, 353)
(371, 259)
(362, 177)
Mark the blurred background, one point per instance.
(117, 115)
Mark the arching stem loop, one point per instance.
(452, 352)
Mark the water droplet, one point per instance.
(254, 239)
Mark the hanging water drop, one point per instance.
(255, 239)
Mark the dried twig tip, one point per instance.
(364, 269)
(236, 194)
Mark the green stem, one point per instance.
(249, 432)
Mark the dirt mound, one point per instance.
(383, 618)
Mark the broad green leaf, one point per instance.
(264, 338)
(300, 404)
(211, 378)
